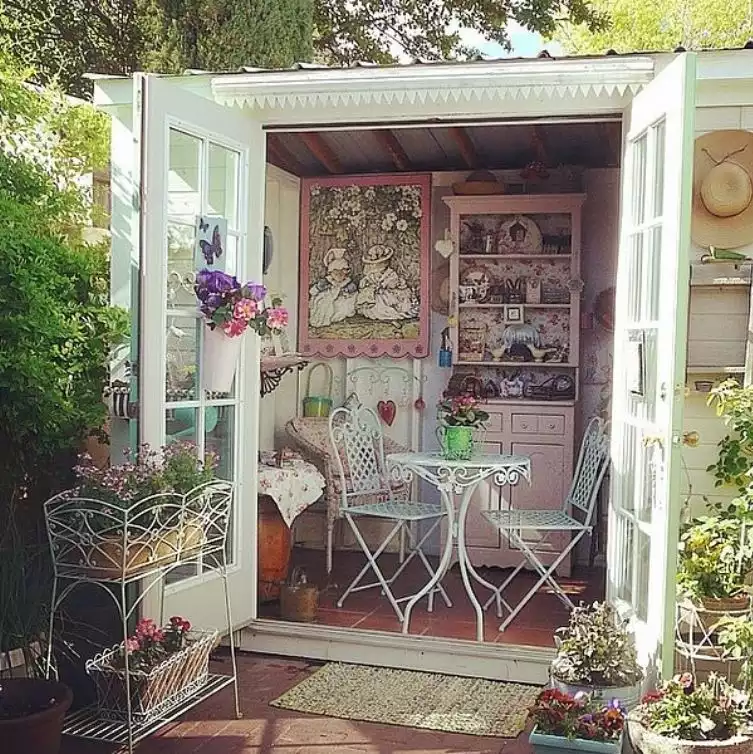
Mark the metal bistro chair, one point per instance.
(593, 461)
(358, 443)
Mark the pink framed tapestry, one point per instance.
(364, 287)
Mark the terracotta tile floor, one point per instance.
(211, 728)
(533, 626)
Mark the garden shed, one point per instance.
(492, 205)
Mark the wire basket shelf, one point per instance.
(93, 539)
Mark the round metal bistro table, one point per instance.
(456, 482)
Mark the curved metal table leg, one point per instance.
(444, 563)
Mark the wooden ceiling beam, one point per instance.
(281, 156)
(322, 151)
(388, 141)
(465, 145)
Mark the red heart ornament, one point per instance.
(387, 411)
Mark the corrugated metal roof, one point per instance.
(589, 144)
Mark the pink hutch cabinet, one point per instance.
(514, 327)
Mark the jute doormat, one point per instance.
(418, 700)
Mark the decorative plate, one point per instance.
(519, 235)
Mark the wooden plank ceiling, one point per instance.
(499, 147)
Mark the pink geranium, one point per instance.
(277, 318)
(234, 327)
(245, 309)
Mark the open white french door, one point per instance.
(198, 159)
(649, 359)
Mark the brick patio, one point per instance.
(211, 728)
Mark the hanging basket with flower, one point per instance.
(230, 309)
(151, 512)
(163, 666)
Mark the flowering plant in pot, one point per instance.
(716, 556)
(458, 417)
(230, 309)
(596, 654)
(161, 665)
(580, 722)
(31, 715)
(683, 717)
(147, 512)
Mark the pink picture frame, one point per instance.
(364, 282)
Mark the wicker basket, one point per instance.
(156, 691)
(299, 600)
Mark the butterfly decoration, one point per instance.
(213, 250)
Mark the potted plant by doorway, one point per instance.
(596, 655)
(458, 419)
(230, 309)
(682, 717)
(31, 715)
(563, 722)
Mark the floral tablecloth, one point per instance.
(293, 487)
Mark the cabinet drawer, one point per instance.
(525, 424)
(495, 423)
(551, 425)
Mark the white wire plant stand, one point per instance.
(696, 640)
(119, 547)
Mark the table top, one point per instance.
(478, 461)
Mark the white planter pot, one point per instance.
(219, 360)
(629, 696)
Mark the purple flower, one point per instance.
(257, 291)
(214, 281)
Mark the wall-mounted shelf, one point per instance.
(716, 370)
(519, 364)
(471, 305)
(526, 257)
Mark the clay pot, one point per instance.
(39, 732)
(274, 548)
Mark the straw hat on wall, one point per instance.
(723, 189)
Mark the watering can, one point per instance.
(318, 405)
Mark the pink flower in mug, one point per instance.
(277, 318)
(234, 327)
(246, 309)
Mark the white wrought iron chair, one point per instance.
(358, 444)
(593, 461)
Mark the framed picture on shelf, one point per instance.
(364, 287)
(513, 314)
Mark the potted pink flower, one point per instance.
(459, 417)
(230, 309)
(162, 664)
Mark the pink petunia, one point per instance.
(234, 327)
(245, 309)
(132, 645)
(277, 318)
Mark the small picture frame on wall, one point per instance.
(513, 314)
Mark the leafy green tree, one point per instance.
(63, 39)
(644, 25)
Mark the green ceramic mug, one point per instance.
(456, 442)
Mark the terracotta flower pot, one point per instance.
(39, 732)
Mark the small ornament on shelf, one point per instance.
(533, 290)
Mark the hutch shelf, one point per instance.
(514, 327)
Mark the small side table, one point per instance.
(283, 493)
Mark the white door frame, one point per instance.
(162, 108)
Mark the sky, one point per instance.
(524, 43)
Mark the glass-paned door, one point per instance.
(649, 369)
(201, 164)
